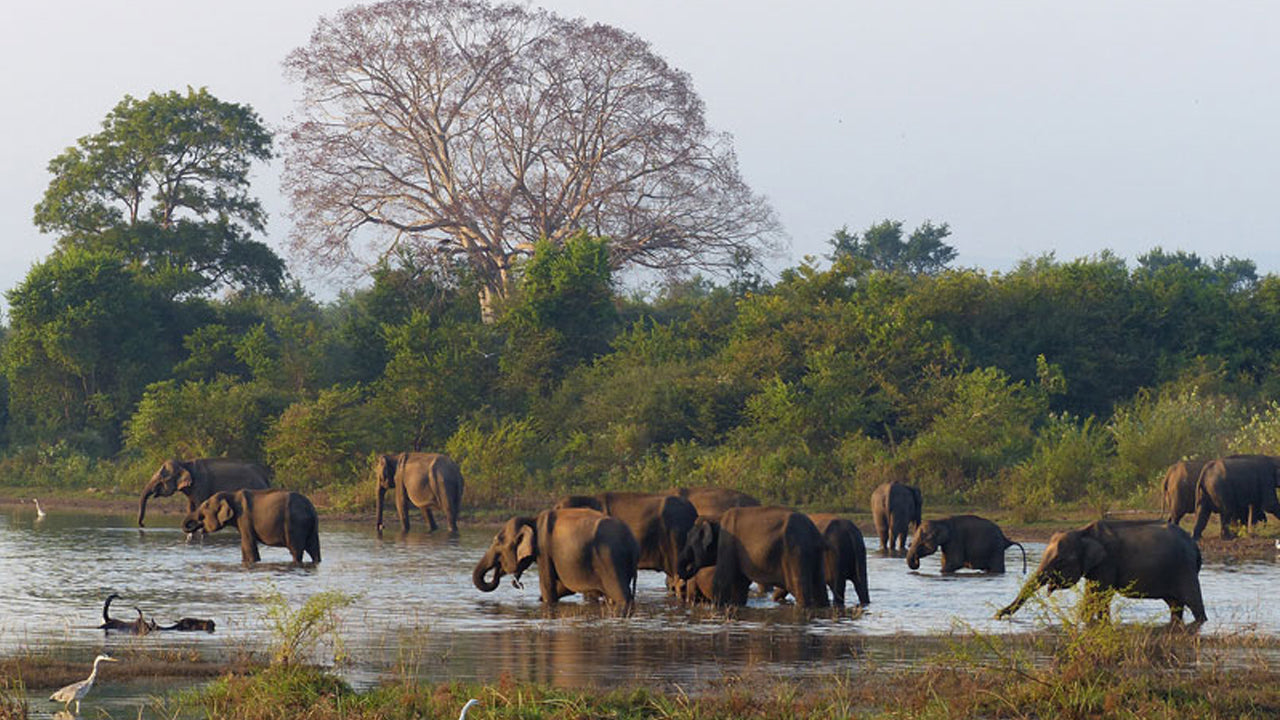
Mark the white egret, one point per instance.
(76, 691)
(40, 513)
(465, 708)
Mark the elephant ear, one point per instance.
(387, 470)
(526, 545)
(183, 471)
(1092, 554)
(915, 492)
(941, 533)
(225, 512)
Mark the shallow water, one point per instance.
(416, 610)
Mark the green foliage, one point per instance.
(165, 184)
(298, 634)
(923, 253)
(320, 442)
(219, 417)
(1157, 429)
(497, 457)
(1069, 458)
(1261, 434)
(86, 337)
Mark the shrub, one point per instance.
(298, 633)
(320, 442)
(1069, 457)
(496, 457)
(1261, 434)
(220, 417)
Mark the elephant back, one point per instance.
(227, 474)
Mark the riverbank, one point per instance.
(1090, 672)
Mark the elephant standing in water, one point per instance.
(1138, 559)
(966, 541)
(844, 560)
(660, 523)
(895, 507)
(578, 550)
(199, 479)
(769, 545)
(422, 480)
(1240, 488)
(278, 518)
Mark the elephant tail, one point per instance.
(1024, 553)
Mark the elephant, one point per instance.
(1240, 488)
(201, 478)
(1179, 489)
(1137, 558)
(966, 541)
(578, 550)
(696, 589)
(844, 559)
(770, 545)
(660, 523)
(895, 507)
(141, 626)
(279, 518)
(427, 480)
(711, 502)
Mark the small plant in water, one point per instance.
(13, 702)
(297, 633)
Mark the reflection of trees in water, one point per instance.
(596, 655)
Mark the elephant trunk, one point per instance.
(1028, 589)
(913, 558)
(487, 563)
(142, 506)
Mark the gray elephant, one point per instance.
(1138, 559)
(769, 545)
(578, 550)
(711, 502)
(895, 508)
(1178, 491)
(660, 523)
(844, 559)
(421, 480)
(199, 479)
(279, 518)
(1240, 488)
(966, 541)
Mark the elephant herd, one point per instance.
(713, 543)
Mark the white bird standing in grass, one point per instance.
(40, 513)
(78, 690)
(465, 708)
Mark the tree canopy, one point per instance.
(923, 253)
(166, 184)
(473, 130)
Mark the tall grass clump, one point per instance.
(1068, 459)
(297, 634)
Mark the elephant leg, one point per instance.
(249, 551)
(780, 595)
(430, 519)
(1203, 512)
(313, 544)
(1175, 611)
(882, 529)
(1227, 520)
(996, 563)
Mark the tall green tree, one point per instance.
(166, 184)
(86, 338)
(882, 244)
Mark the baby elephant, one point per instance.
(966, 541)
(279, 518)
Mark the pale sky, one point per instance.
(1028, 126)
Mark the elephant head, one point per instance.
(700, 548)
(384, 475)
(1069, 556)
(513, 549)
(173, 476)
(213, 514)
(930, 536)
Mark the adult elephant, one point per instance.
(895, 508)
(660, 523)
(1240, 488)
(199, 479)
(1138, 559)
(711, 502)
(279, 518)
(1178, 492)
(421, 480)
(966, 541)
(844, 559)
(769, 545)
(578, 550)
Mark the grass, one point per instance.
(1091, 671)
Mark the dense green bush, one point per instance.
(220, 417)
(321, 442)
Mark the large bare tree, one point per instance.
(462, 128)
